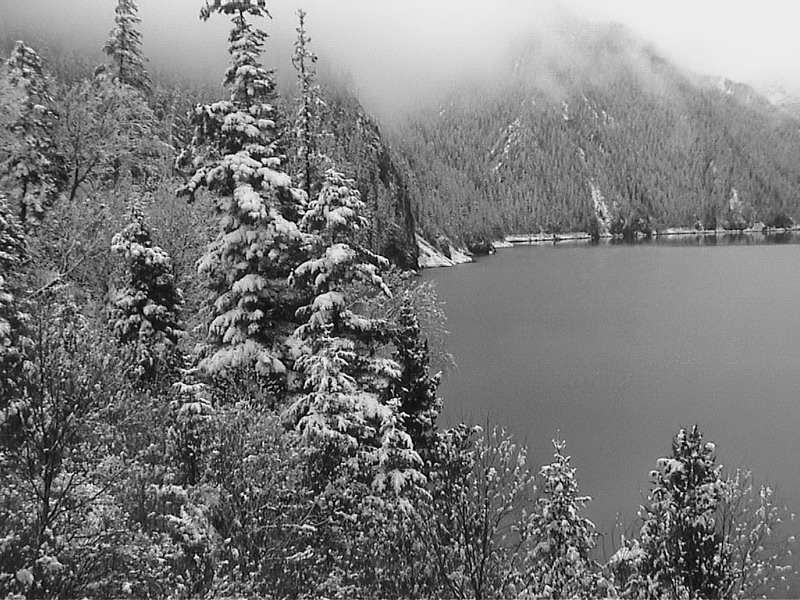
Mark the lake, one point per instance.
(614, 347)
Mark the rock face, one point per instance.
(363, 153)
(430, 257)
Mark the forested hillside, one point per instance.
(599, 125)
(381, 176)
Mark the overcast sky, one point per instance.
(398, 50)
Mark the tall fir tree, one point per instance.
(333, 218)
(416, 388)
(146, 312)
(685, 550)
(31, 170)
(561, 564)
(234, 154)
(307, 122)
(13, 255)
(343, 406)
(124, 47)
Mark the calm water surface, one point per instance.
(615, 347)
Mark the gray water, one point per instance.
(615, 347)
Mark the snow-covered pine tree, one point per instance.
(13, 254)
(146, 312)
(234, 154)
(307, 123)
(335, 215)
(124, 48)
(562, 540)
(336, 262)
(416, 388)
(194, 413)
(31, 171)
(343, 381)
(685, 555)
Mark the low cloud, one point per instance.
(402, 53)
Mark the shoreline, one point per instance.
(430, 257)
(580, 236)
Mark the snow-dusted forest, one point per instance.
(219, 374)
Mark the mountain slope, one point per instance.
(382, 180)
(597, 119)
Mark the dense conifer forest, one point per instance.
(218, 373)
(601, 133)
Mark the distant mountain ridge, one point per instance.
(592, 127)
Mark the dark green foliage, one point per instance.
(13, 256)
(145, 312)
(31, 167)
(416, 388)
(778, 219)
(680, 536)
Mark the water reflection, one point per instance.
(704, 239)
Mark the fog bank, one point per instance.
(403, 53)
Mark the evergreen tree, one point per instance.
(685, 551)
(343, 382)
(336, 261)
(560, 564)
(234, 154)
(124, 48)
(31, 171)
(145, 312)
(307, 122)
(13, 254)
(336, 213)
(194, 414)
(415, 389)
